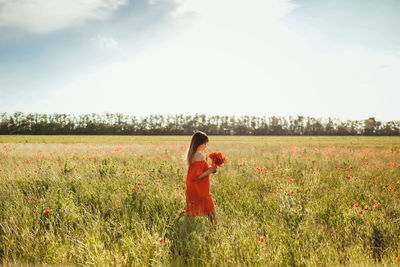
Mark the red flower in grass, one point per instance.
(261, 239)
(161, 239)
(46, 212)
(217, 159)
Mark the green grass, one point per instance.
(249, 140)
(96, 218)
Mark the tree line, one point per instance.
(120, 124)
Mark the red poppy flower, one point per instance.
(161, 239)
(217, 159)
(46, 212)
(349, 176)
(261, 239)
(360, 212)
(291, 192)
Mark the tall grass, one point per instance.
(110, 203)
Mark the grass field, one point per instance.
(119, 200)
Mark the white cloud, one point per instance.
(106, 42)
(43, 16)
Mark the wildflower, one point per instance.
(216, 159)
(291, 192)
(35, 171)
(261, 239)
(350, 167)
(366, 208)
(360, 212)
(161, 239)
(46, 212)
(349, 176)
(139, 183)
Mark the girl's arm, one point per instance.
(212, 169)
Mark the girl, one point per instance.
(198, 196)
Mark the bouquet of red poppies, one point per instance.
(216, 159)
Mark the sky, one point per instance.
(336, 58)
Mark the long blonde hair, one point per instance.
(198, 138)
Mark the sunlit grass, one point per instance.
(111, 199)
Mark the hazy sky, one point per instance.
(335, 58)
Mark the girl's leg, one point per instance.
(212, 218)
(182, 230)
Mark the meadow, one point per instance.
(120, 200)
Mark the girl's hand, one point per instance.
(213, 169)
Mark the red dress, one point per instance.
(198, 196)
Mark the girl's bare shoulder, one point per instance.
(198, 156)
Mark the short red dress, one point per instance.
(198, 196)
